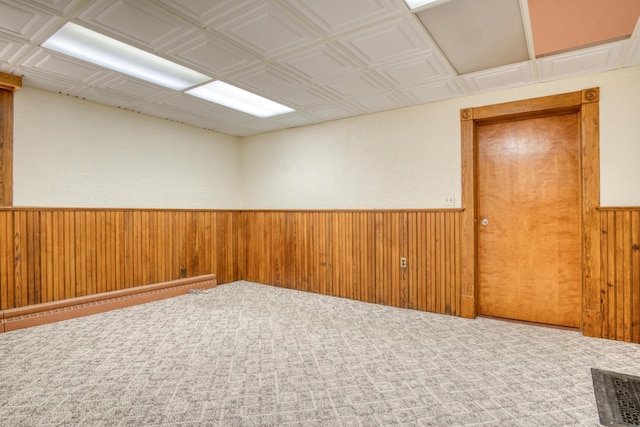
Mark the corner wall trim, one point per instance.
(40, 314)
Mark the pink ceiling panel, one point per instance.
(560, 25)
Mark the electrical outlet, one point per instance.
(403, 262)
(183, 272)
(450, 200)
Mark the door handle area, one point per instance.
(484, 222)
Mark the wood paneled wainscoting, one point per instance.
(620, 274)
(356, 254)
(49, 254)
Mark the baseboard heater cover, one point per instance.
(40, 314)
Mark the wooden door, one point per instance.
(528, 193)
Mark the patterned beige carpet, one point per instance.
(245, 354)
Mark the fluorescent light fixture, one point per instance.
(239, 99)
(82, 43)
(414, 4)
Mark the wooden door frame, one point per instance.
(586, 104)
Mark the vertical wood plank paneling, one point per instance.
(6, 258)
(20, 293)
(620, 274)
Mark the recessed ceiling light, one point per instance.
(414, 4)
(98, 49)
(239, 99)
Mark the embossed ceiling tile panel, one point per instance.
(318, 63)
(355, 85)
(47, 62)
(229, 116)
(382, 102)
(264, 80)
(337, 111)
(268, 30)
(63, 7)
(501, 78)
(332, 17)
(46, 81)
(389, 41)
(131, 87)
(211, 55)
(415, 70)
(26, 22)
(207, 12)
(302, 97)
(104, 97)
(633, 58)
(435, 91)
(9, 48)
(139, 22)
(590, 60)
(185, 102)
(296, 119)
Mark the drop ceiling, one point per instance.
(327, 59)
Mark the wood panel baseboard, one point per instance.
(40, 314)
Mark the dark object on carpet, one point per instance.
(618, 398)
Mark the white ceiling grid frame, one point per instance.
(121, 19)
(575, 63)
(390, 41)
(508, 76)
(64, 67)
(27, 23)
(211, 54)
(268, 30)
(446, 88)
(266, 79)
(62, 7)
(333, 17)
(383, 101)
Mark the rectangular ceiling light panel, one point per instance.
(239, 99)
(477, 35)
(82, 43)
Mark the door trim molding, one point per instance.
(586, 104)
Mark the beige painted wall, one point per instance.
(69, 152)
(410, 158)
(74, 153)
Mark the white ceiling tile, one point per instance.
(211, 55)
(590, 60)
(295, 119)
(633, 58)
(9, 48)
(139, 22)
(48, 81)
(264, 80)
(63, 7)
(26, 22)
(381, 102)
(501, 78)
(197, 106)
(337, 111)
(337, 16)
(318, 63)
(228, 115)
(434, 91)
(206, 12)
(45, 61)
(104, 97)
(131, 87)
(268, 30)
(415, 70)
(357, 84)
(302, 97)
(389, 41)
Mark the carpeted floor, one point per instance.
(245, 354)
